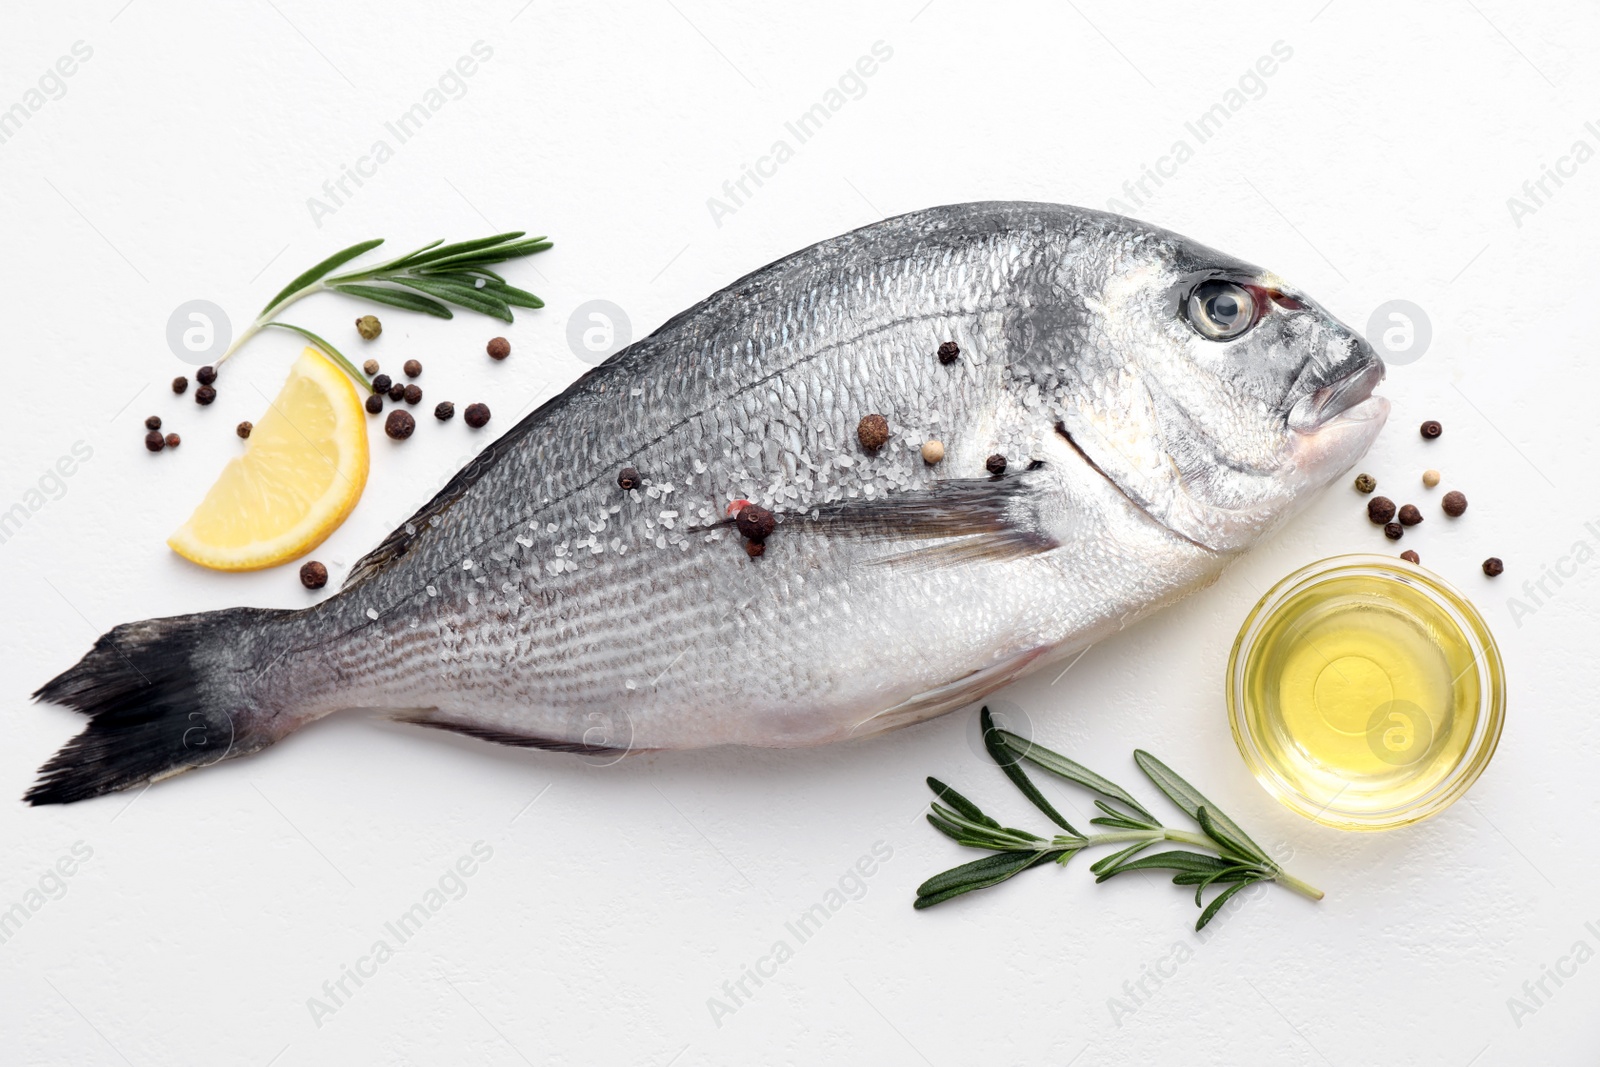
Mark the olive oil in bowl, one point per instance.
(1365, 693)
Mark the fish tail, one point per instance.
(163, 696)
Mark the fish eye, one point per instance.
(1221, 310)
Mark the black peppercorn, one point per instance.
(754, 549)
(413, 394)
(445, 411)
(206, 375)
(1393, 531)
(153, 422)
(313, 575)
(412, 368)
(995, 464)
(1365, 483)
(244, 428)
(381, 383)
(399, 424)
(397, 392)
(1432, 429)
(755, 522)
(1455, 503)
(628, 478)
(374, 403)
(948, 352)
(1493, 567)
(154, 441)
(173, 440)
(180, 385)
(476, 415)
(1380, 509)
(204, 395)
(1409, 515)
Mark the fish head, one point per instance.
(1216, 396)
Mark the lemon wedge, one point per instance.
(303, 469)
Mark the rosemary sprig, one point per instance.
(1230, 859)
(426, 280)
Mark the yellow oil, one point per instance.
(1361, 694)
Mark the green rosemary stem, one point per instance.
(265, 319)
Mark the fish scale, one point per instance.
(534, 602)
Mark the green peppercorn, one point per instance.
(1365, 483)
(368, 327)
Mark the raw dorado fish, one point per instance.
(1159, 407)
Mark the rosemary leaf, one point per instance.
(1174, 860)
(460, 248)
(397, 298)
(1009, 763)
(1225, 840)
(1117, 857)
(960, 803)
(477, 300)
(1216, 905)
(321, 270)
(1191, 801)
(1072, 771)
(979, 874)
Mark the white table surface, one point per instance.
(1374, 164)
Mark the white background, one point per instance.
(1376, 166)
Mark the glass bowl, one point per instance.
(1365, 692)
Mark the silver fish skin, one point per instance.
(1160, 407)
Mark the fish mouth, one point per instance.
(1349, 399)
